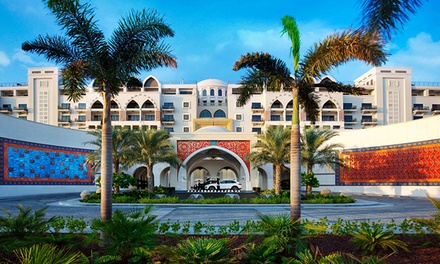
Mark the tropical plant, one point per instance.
(281, 237)
(370, 236)
(433, 223)
(128, 231)
(46, 253)
(384, 17)
(309, 180)
(120, 180)
(25, 223)
(85, 53)
(201, 250)
(267, 72)
(150, 147)
(272, 147)
(316, 151)
(120, 147)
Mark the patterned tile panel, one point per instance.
(239, 147)
(30, 163)
(405, 164)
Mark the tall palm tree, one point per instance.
(267, 72)
(384, 17)
(120, 147)
(150, 147)
(272, 147)
(316, 151)
(85, 53)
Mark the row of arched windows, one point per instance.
(212, 92)
(207, 114)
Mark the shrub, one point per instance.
(371, 236)
(310, 181)
(201, 250)
(433, 223)
(120, 180)
(37, 254)
(127, 232)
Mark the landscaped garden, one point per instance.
(137, 237)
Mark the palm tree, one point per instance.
(120, 148)
(267, 72)
(272, 147)
(315, 151)
(150, 147)
(86, 54)
(384, 17)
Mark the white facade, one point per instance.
(194, 111)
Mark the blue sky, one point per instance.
(211, 35)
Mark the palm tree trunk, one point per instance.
(106, 160)
(277, 179)
(295, 165)
(150, 180)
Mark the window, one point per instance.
(417, 117)
(168, 105)
(256, 130)
(65, 118)
(219, 114)
(367, 119)
(204, 93)
(81, 118)
(82, 106)
(168, 118)
(212, 92)
(169, 129)
(288, 117)
(133, 118)
(186, 129)
(329, 105)
(22, 106)
(150, 117)
(256, 118)
(186, 117)
(239, 117)
(23, 117)
(275, 118)
(239, 129)
(348, 105)
(115, 117)
(65, 106)
(328, 118)
(418, 106)
(186, 105)
(220, 92)
(256, 106)
(367, 106)
(7, 107)
(97, 117)
(205, 114)
(348, 118)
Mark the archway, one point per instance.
(140, 174)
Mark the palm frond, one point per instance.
(56, 48)
(340, 48)
(385, 16)
(290, 28)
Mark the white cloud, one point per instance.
(4, 60)
(422, 54)
(23, 57)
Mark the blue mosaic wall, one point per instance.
(30, 163)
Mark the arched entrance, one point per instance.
(140, 174)
(213, 162)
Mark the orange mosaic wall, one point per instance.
(406, 164)
(239, 147)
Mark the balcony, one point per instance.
(368, 109)
(168, 108)
(257, 121)
(21, 110)
(435, 110)
(257, 109)
(81, 108)
(64, 108)
(276, 109)
(369, 121)
(168, 121)
(420, 109)
(80, 120)
(64, 121)
(350, 109)
(350, 121)
(6, 110)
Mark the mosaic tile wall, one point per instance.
(30, 163)
(239, 147)
(406, 164)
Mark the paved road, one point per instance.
(368, 207)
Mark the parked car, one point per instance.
(224, 185)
